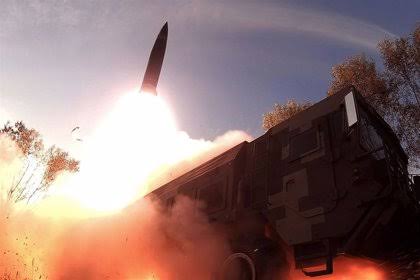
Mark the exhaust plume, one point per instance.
(61, 238)
(142, 242)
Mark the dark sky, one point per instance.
(64, 63)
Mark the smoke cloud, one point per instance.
(145, 241)
(206, 151)
(142, 241)
(60, 240)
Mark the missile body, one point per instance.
(154, 65)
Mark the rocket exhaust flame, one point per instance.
(137, 142)
(60, 237)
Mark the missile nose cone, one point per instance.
(154, 65)
(163, 33)
(164, 29)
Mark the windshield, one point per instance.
(370, 137)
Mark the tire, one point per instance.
(238, 266)
(268, 265)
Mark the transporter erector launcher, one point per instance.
(154, 65)
(331, 180)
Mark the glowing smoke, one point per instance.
(133, 150)
(138, 139)
(142, 242)
(136, 149)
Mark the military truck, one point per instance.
(330, 180)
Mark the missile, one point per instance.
(154, 65)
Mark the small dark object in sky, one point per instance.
(154, 65)
(73, 132)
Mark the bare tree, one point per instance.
(40, 167)
(282, 112)
(401, 59)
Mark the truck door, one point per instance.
(258, 175)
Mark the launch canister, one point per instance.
(154, 65)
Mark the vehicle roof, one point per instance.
(323, 107)
(220, 160)
(330, 104)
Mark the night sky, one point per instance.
(65, 63)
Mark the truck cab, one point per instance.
(330, 180)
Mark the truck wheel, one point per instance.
(238, 266)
